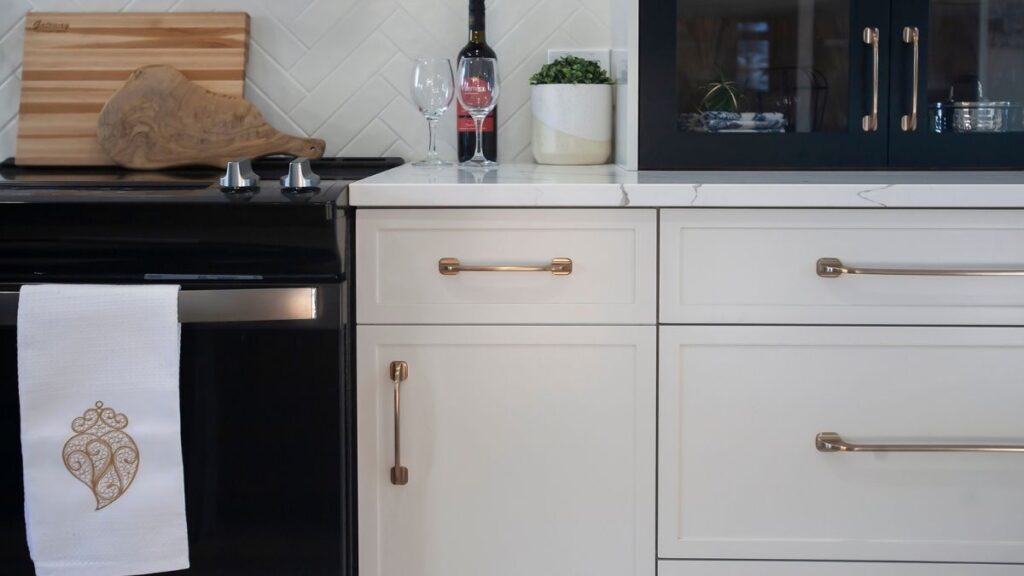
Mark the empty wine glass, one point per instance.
(478, 94)
(433, 88)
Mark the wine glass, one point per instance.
(433, 88)
(478, 94)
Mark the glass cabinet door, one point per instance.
(764, 83)
(960, 101)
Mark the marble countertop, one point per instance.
(531, 185)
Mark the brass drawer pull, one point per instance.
(399, 374)
(834, 268)
(870, 121)
(912, 36)
(452, 267)
(832, 442)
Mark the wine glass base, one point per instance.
(478, 164)
(432, 163)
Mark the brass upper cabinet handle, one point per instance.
(832, 442)
(452, 267)
(871, 38)
(399, 374)
(834, 268)
(911, 35)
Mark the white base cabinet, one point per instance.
(530, 451)
(741, 476)
(541, 403)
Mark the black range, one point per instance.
(266, 402)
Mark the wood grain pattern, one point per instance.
(160, 119)
(74, 62)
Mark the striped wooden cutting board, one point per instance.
(75, 61)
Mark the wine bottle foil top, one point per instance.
(477, 21)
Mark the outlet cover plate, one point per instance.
(599, 55)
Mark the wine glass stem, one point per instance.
(432, 146)
(479, 120)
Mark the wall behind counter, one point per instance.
(340, 69)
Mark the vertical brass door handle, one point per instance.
(912, 36)
(399, 374)
(870, 121)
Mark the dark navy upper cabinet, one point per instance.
(969, 76)
(831, 84)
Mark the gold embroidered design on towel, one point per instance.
(101, 454)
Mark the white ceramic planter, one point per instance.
(572, 123)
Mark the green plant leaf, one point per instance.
(571, 70)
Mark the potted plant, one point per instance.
(571, 100)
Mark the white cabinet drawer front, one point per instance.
(741, 568)
(740, 476)
(613, 278)
(529, 450)
(759, 267)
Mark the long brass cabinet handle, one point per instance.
(834, 268)
(399, 374)
(452, 267)
(832, 442)
(912, 36)
(871, 38)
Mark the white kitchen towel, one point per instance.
(101, 430)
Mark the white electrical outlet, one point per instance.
(601, 56)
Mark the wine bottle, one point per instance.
(477, 48)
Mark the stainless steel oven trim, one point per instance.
(214, 306)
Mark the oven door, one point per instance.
(262, 379)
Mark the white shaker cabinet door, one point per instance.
(741, 475)
(856, 267)
(528, 451)
(504, 266)
(776, 568)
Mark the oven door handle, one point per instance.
(215, 306)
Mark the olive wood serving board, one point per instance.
(74, 62)
(160, 119)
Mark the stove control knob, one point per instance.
(240, 175)
(300, 176)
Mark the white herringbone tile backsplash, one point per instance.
(340, 69)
